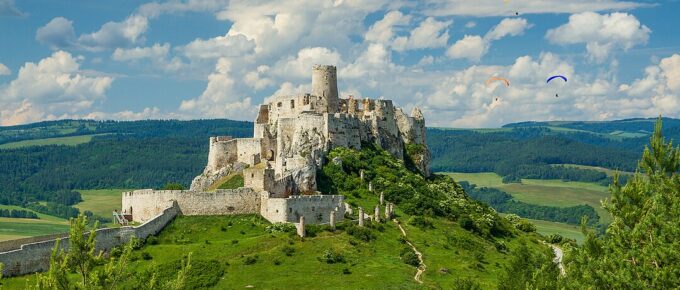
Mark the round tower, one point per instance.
(325, 86)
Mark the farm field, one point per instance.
(101, 202)
(544, 192)
(70, 141)
(14, 228)
(566, 230)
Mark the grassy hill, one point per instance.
(17, 228)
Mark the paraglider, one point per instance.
(556, 77)
(498, 79)
(494, 79)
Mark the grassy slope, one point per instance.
(71, 141)
(609, 172)
(373, 265)
(101, 202)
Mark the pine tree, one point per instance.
(641, 247)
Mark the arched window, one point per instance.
(292, 104)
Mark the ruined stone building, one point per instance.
(292, 137)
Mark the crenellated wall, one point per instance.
(315, 208)
(35, 257)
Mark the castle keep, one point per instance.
(292, 137)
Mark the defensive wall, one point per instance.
(35, 257)
(315, 208)
(146, 203)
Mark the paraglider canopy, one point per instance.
(493, 79)
(555, 77)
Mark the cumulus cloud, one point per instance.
(155, 9)
(301, 65)
(157, 54)
(601, 33)
(486, 8)
(4, 70)
(220, 46)
(383, 30)
(221, 97)
(430, 33)
(59, 34)
(52, 87)
(474, 47)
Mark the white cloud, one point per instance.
(157, 54)
(221, 46)
(474, 47)
(601, 33)
(300, 66)
(508, 27)
(671, 70)
(155, 9)
(486, 8)
(57, 34)
(470, 24)
(4, 70)
(52, 87)
(382, 31)
(8, 8)
(429, 34)
(221, 98)
(257, 80)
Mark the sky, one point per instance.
(203, 59)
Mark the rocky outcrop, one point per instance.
(209, 176)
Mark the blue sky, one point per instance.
(193, 59)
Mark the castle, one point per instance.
(292, 137)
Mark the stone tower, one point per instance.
(325, 86)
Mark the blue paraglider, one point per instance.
(554, 77)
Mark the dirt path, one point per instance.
(422, 266)
(558, 258)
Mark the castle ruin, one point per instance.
(292, 137)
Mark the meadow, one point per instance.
(17, 228)
(69, 141)
(101, 202)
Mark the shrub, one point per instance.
(421, 222)
(277, 262)
(346, 271)
(409, 257)
(173, 186)
(234, 242)
(288, 250)
(466, 223)
(554, 238)
(146, 256)
(249, 260)
(203, 273)
(500, 246)
(525, 226)
(152, 240)
(360, 233)
(280, 228)
(331, 257)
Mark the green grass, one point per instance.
(483, 179)
(101, 202)
(233, 182)
(566, 230)
(70, 141)
(372, 265)
(14, 228)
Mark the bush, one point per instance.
(234, 242)
(288, 250)
(173, 186)
(525, 226)
(249, 260)
(554, 238)
(409, 257)
(500, 246)
(346, 271)
(331, 257)
(203, 273)
(152, 240)
(360, 233)
(421, 222)
(146, 256)
(280, 228)
(466, 223)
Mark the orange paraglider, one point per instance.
(494, 79)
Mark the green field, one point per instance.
(229, 241)
(566, 230)
(71, 141)
(13, 228)
(544, 192)
(609, 172)
(101, 202)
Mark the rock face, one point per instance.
(293, 135)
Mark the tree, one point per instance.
(173, 186)
(92, 269)
(640, 249)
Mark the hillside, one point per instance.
(462, 241)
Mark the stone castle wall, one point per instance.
(35, 257)
(315, 208)
(145, 204)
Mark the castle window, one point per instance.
(279, 104)
(312, 208)
(252, 175)
(290, 210)
(292, 104)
